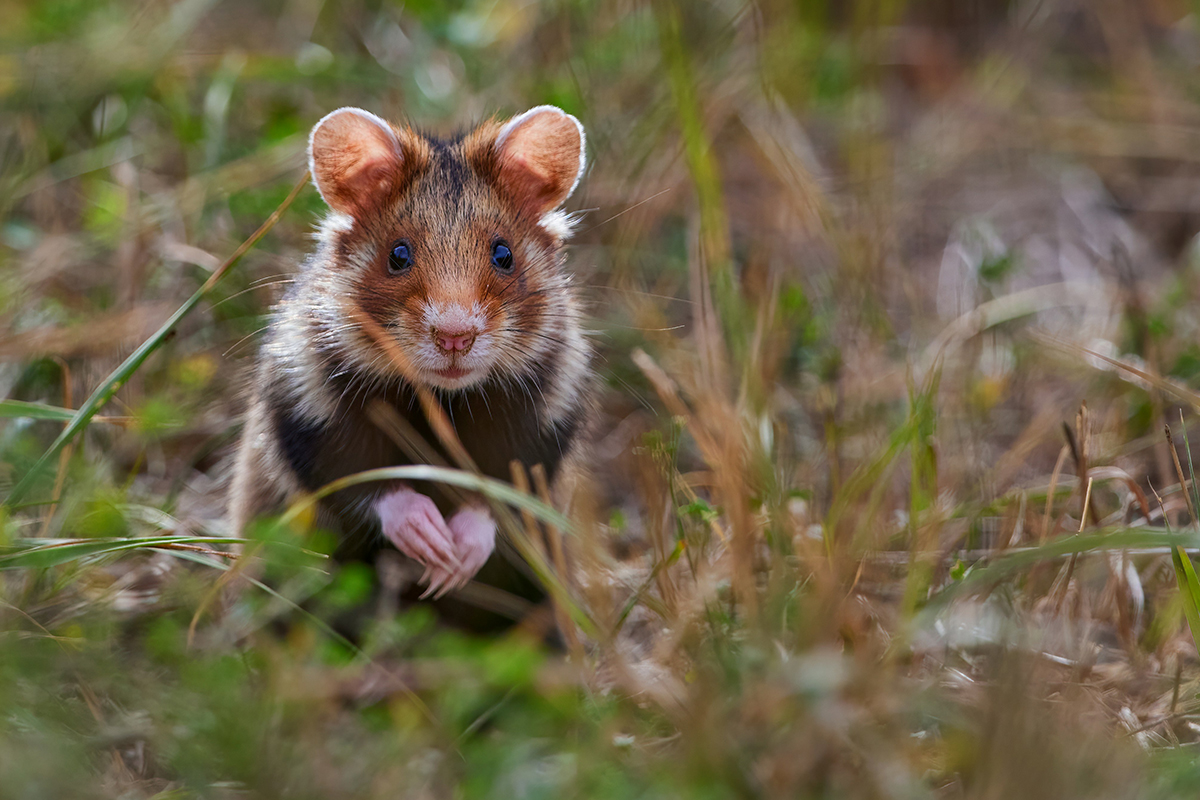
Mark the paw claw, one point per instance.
(439, 583)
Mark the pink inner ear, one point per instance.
(356, 161)
(376, 176)
(528, 179)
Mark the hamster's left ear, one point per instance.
(541, 157)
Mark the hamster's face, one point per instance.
(459, 277)
(454, 250)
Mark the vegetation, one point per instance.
(893, 301)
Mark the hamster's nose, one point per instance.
(451, 341)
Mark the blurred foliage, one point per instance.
(852, 268)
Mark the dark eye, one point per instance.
(400, 259)
(502, 258)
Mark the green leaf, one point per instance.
(700, 509)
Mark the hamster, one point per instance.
(447, 254)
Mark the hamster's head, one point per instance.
(453, 249)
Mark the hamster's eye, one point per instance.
(400, 259)
(502, 257)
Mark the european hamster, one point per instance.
(447, 254)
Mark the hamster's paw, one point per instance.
(474, 533)
(413, 523)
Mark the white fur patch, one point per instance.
(454, 317)
(334, 222)
(563, 394)
(559, 224)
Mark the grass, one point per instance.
(892, 303)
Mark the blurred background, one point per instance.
(892, 301)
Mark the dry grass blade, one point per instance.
(1165, 385)
(558, 559)
(1054, 476)
(434, 415)
(1079, 442)
(1183, 484)
(101, 334)
(995, 312)
(1064, 583)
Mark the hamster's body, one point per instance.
(440, 269)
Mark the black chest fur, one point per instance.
(495, 425)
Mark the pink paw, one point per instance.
(474, 533)
(413, 523)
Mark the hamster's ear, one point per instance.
(356, 160)
(541, 157)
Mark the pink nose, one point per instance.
(452, 341)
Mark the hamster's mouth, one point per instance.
(455, 376)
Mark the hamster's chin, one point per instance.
(455, 377)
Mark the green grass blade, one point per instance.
(1189, 590)
(489, 487)
(923, 489)
(10, 409)
(640, 593)
(290, 603)
(121, 374)
(867, 477)
(44, 555)
(704, 170)
(1102, 540)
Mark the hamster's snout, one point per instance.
(452, 340)
(455, 351)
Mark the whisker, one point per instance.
(627, 210)
(244, 339)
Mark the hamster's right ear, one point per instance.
(356, 159)
(542, 156)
